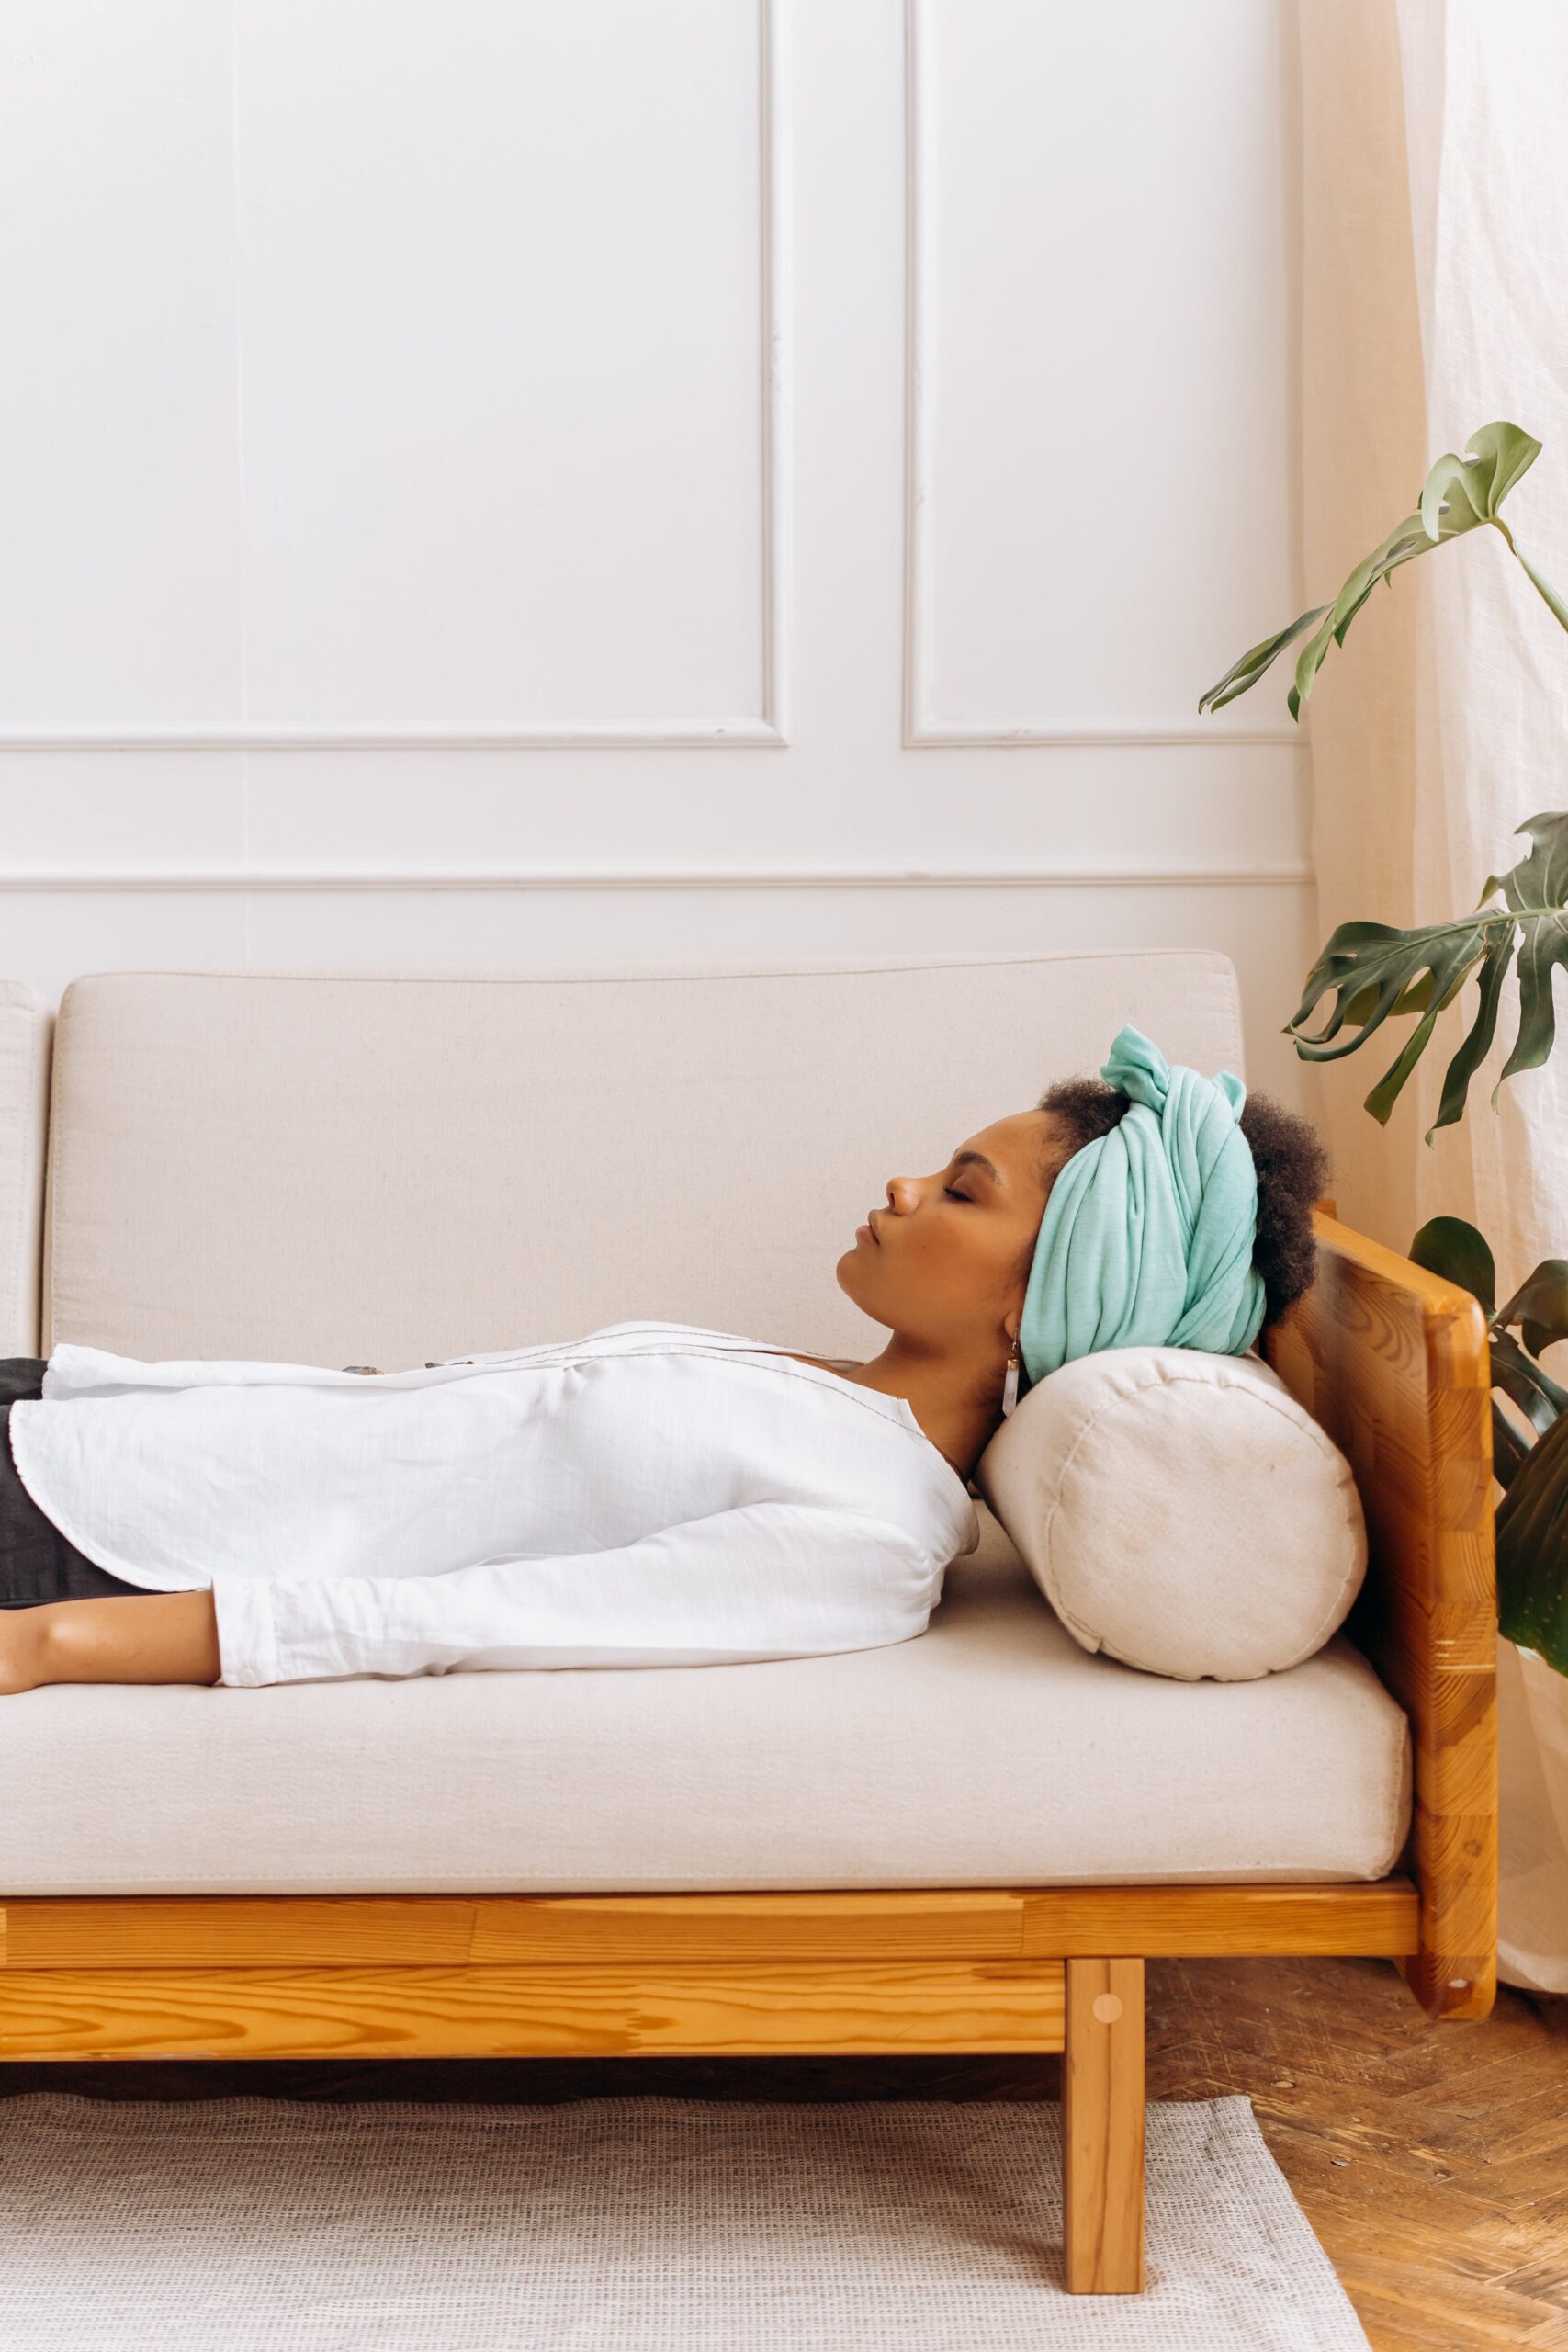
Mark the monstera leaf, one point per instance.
(1532, 1517)
(1533, 1551)
(1459, 493)
(1374, 971)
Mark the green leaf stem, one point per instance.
(1459, 493)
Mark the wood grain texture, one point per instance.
(1394, 1363)
(1433, 2164)
(1102, 2128)
(1006, 1923)
(570, 2009)
(1377, 1916)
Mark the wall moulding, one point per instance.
(697, 735)
(1110, 734)
(921, 729)
(770, 729)
(868, 878)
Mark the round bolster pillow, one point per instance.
(1180, 1511)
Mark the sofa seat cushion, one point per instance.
(989, 1750)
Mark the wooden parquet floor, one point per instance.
(1431, 2160)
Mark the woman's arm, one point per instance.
(134, 1637)
(763, 1580)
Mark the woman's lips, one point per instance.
(870, 1231)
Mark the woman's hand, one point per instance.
(20, 1650)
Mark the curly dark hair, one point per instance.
(1287, 1151)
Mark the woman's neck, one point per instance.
(948, 1400)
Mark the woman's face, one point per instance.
(947, 1263)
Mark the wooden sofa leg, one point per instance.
(1102, 2128)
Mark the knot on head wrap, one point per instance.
(1148, 1235)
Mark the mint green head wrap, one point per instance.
(1148, 1235)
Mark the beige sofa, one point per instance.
(965, 1842)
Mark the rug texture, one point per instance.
(642, 2224)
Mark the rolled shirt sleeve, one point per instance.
(765, 1580)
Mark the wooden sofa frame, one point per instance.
(1394, 1363)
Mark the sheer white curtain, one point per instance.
(1435, 275)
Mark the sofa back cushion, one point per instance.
(382, 1169)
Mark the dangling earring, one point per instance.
(1009, 1385)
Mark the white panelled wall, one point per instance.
(524, 482)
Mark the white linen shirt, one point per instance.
(654, 1494)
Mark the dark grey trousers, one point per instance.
(36, 1563)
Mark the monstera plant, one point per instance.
(1376, 973)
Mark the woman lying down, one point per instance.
(655, 1494)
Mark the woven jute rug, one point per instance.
(629, 2225)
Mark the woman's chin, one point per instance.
(852, 1273)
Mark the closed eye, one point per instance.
(956, 1196)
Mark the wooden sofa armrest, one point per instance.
(1394, 1363)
